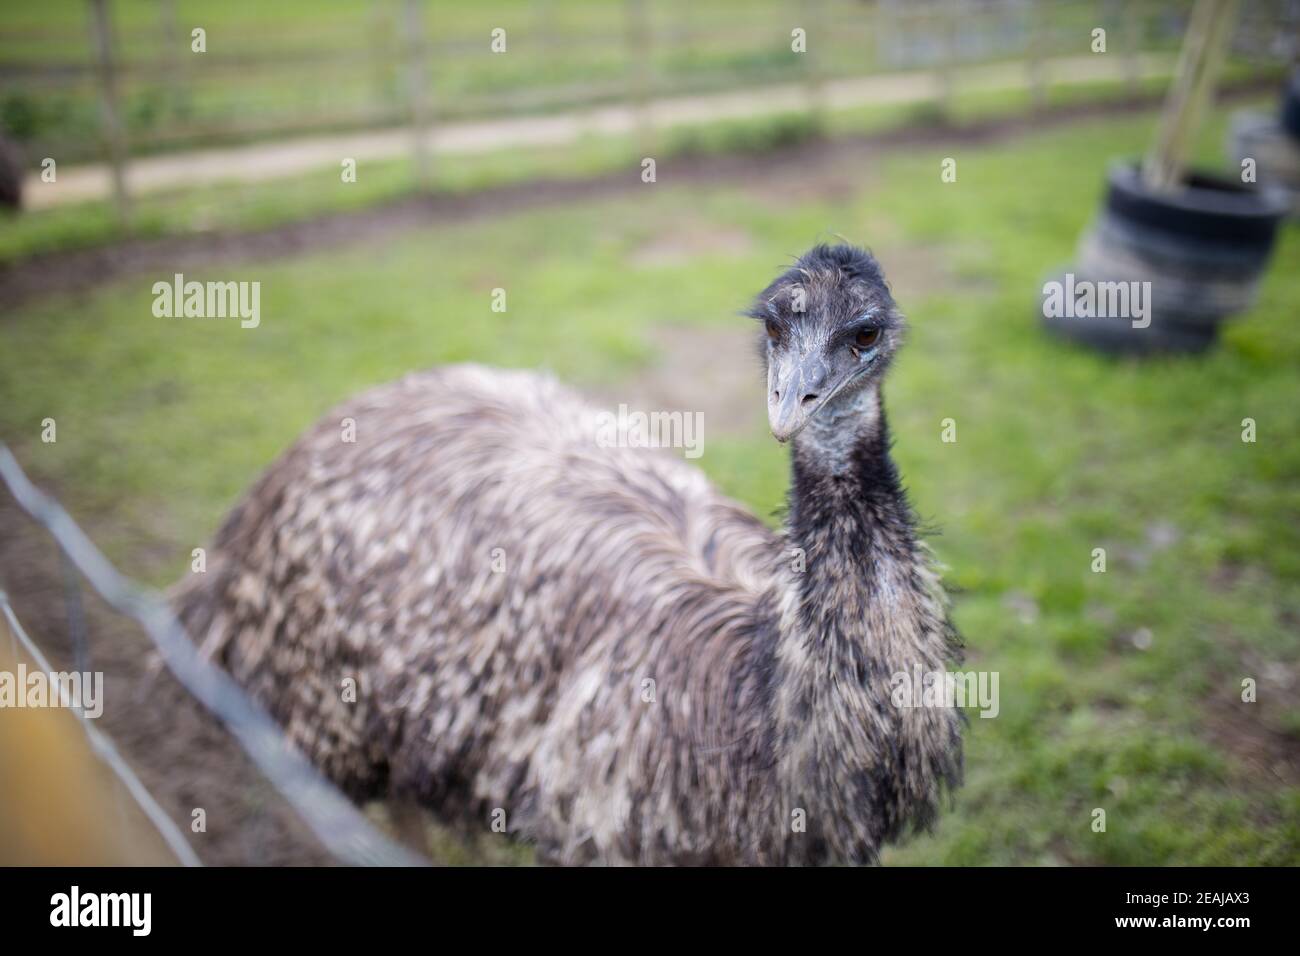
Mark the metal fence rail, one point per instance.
(335, 821)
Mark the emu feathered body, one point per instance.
(590, 640)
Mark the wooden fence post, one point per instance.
(947, 30)
(1036, 52)
(817, 36)
(637, 37)
(173, 40)
(1134, 17)
(380, 31)
(417, 92)
(114, 136)
(544, 24)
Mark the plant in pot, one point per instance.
(1174, 252)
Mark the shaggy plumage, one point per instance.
(592, 640)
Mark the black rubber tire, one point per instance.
(1196, 282)
(1258, 136)
(1211, 208)
(1113, 339)
(1116, 336)
(1202, 249)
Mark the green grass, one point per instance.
(163, 423)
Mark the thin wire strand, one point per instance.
(104, 748)
(344, 831)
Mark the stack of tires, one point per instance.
(1188, 260)
(1272, 143)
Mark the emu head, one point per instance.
(830, 327)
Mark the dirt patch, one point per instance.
(837, 181)
(689, 241)
(915, 271)
(1247, 732)
(712, 370)
(1254, 732)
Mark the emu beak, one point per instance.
(796, 388)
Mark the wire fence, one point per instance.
(109, 79)
(337, 823)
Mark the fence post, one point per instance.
(102, 36)
(947, 29)
(173, 43)
(417, 92)
(1035, 55)
(1134, 18)
(637, 36)
(380, 31)
(814, 79)
(544, 24)
(888, 37)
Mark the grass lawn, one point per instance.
(1119, 691)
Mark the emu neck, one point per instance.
(846, 500)
(849, 515)
(864, 609)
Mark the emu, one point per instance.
(592, 640)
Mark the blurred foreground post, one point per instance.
(417, 91)
(102, 35)
(636, 33)
(1198, 65)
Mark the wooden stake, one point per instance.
(637, 36)
(417, 93)
(1194, 79)
(110, 117)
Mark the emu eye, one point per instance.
(773, 332)
(866, 338)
